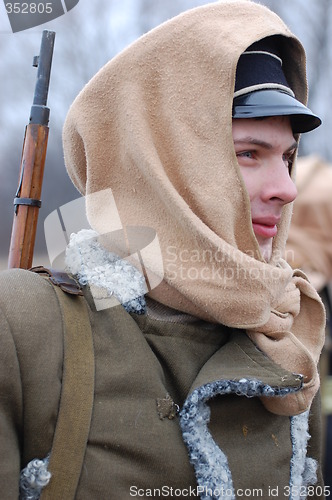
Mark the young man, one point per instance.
(206, 349)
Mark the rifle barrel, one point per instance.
(39, 112)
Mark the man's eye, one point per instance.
(245, 154)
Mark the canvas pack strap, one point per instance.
(76, 400)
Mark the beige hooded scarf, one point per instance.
(155, 126)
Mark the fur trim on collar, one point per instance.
(94, 265)
(34, 477)
(212, 471)
(303, 470)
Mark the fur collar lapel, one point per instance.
(95, 266)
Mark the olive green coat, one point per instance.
(147, 369)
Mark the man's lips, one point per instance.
(265, 227)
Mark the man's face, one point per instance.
(264, 148)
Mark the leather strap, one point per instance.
(76, 401)
(59, 278)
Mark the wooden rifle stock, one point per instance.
(27, 199)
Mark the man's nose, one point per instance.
(280, 186)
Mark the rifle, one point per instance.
(27, 198)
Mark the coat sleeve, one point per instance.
(31, 362)
(11, 412)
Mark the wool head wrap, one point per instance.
(154, 126)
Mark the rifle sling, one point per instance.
(76, 400)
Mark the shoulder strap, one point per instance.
(77, 393)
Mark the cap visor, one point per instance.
(264, 103)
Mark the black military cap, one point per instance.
(261, 90)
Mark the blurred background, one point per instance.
(86, 38)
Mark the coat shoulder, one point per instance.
(19, 283)
(28, 301)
